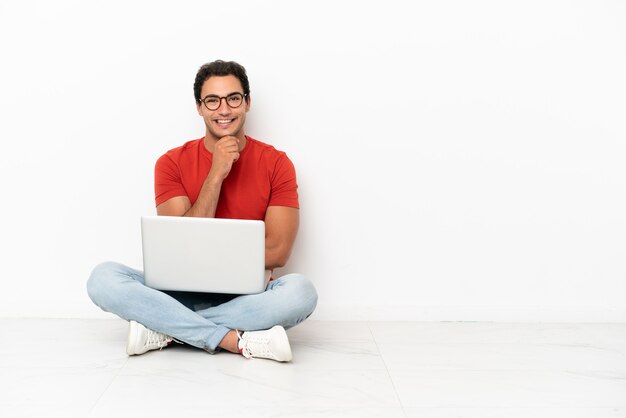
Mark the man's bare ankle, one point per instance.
(230, 342)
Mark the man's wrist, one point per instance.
(214, 181)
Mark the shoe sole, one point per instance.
(282, 335)
(132, 336)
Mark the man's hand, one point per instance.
(225, 153)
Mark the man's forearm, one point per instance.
(275, 256)
(272, 263)
(206, 203)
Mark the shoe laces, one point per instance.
(156, 339)
(254, 345)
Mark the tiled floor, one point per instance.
(69, 368)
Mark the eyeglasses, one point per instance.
(233, 100)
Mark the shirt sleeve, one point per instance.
(284, 187)
(167, 180)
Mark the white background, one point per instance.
(457, 160)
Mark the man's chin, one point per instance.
(221, 133)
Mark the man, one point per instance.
(225, 174)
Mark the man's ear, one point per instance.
(199, 108)
(248, 103)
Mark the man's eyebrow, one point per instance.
(229, 94)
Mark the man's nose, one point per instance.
(224, 108)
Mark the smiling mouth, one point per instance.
(224, 121)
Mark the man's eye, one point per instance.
(211, 100)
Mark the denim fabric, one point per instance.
(200, 319)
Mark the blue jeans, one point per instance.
(200, 319)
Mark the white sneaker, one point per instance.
(272, 344)
(142, 339)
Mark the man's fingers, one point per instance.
(229, 150)
(227, 143)
(228, 138)
(228, 147)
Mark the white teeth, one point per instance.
(225, 120)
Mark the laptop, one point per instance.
(204, 254)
